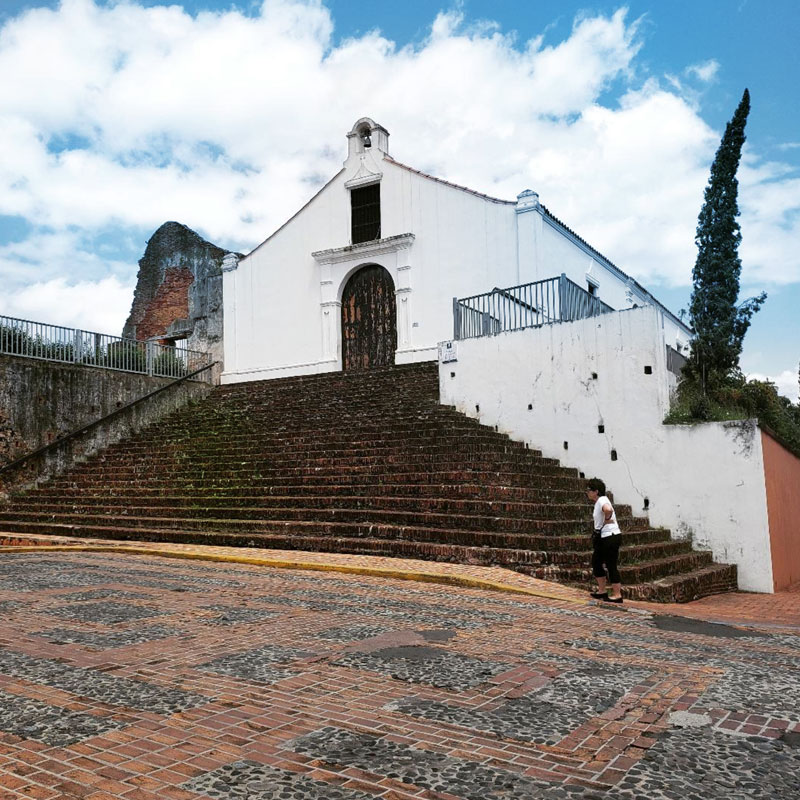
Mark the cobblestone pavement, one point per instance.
(146, 678)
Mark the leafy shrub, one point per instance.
(739, 398)
(126, 355)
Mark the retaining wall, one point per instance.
(41, 401)
(594, 393)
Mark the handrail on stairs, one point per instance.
(78, 432)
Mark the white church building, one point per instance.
(366, 272)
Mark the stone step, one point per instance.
(210, 481)
(570, 517)
(631, 573)
(245, 496)
(333, 465)
(458, 549)
(260, 503)
(340, 455)
(250, 448)
(354, 522)
(687, 586)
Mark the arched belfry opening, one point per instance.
(369, 319)
(367, 136)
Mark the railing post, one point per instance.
(149, 359)
(456, 320)
(76, 346)
(562, 296)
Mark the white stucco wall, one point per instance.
(705, 481)
(282, 301)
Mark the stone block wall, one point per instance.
(41, 401)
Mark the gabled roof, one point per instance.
(298, 212)
(611, 265)
(448, 183)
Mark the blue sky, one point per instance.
(227, 116)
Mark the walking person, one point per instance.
(606, 540)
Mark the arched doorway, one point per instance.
(369, 319)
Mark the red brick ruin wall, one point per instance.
(171, 302)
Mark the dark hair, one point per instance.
(596, 485)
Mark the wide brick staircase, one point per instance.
(364, 463)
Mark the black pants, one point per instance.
(606, 551)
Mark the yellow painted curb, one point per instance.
(403, 575)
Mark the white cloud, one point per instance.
(705, 71)
(786, 383)
(228, 123)
(89, 305)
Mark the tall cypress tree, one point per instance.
(719, 324)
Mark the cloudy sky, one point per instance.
(118, 115)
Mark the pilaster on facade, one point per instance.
(403, 299)
(331, 330)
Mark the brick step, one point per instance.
(688, 586)
(342, 454)
(356, 447)
(258, 503)
(636, 549)
(318, 414)
(323, 478)
(333, 429)
(550, 516)
(333, 464)
(546, 536)
(375, 543)
(327, 466)
(296, 388)
(47, 493)
(631, 573)
(355, 522)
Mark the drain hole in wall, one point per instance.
(601, 428)
(452, 374)
(594, 376)
(530, 406)
(566, 445)
(613, 455)
(648, 370)
(646, 503)
(477, 408)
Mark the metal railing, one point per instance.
(527, 306)
(21, 337)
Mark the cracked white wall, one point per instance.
(704, 481)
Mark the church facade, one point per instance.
(365, 274)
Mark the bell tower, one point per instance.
(367, 136)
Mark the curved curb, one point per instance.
(313, 566)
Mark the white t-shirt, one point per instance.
(600, 524)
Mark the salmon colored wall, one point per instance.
(782, 478)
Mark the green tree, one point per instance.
(719, 324)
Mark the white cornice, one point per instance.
(391, 244)
(363, 180)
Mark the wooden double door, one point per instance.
(369, 319)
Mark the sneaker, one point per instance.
(599, 595)
(612, 599)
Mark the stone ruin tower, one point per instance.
(178, 297)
